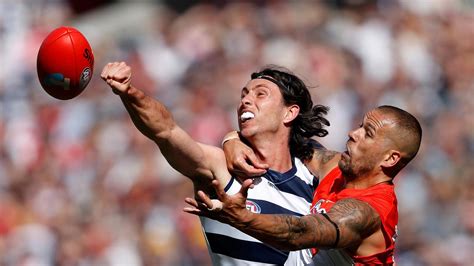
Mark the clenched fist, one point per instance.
(118, 75)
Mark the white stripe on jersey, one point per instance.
(303, 173)
(213, 226)
(268, 191)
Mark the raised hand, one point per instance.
(227, 209)
(242, 161)
(118, 76)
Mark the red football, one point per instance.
(65, 63)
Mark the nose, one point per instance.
(246, 100)
(353, 134)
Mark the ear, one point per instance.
(391, 159)
(291, 113)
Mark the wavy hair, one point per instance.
(310, 120)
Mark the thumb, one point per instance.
(117, 87)
(245, 187)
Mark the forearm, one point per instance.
(287, 232)
(149, 115)
(154, 121)
(347, 223)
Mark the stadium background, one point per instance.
(79, 185)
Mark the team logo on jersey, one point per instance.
(317, 207)
(253, 207)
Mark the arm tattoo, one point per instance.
(288, 232)
(324, 156)
(356, 220)
(327, 156)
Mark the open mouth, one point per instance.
(345, 154)
(245, 116)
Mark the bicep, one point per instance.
(194, 160)
(356, 220)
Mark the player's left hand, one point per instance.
(242, 161)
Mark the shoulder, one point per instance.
(322, 162)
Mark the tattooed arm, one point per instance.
(322, 162)
(355, 219)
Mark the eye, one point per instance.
(369, 132)
(261, 93)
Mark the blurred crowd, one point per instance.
(79, 185)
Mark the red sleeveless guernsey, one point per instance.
(381, 197)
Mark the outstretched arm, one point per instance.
(154, 121)
(354, 219)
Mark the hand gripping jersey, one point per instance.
(274, 193)
(381, 197)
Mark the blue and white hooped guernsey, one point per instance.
(274, 193)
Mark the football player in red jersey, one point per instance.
(354, 211)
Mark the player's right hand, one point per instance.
(230, 209)
(242, 161)
(118, 76)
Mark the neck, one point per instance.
(273, 150)
(366, 181)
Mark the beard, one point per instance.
(347, 170)
(352, 171)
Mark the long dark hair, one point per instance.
(310, 120)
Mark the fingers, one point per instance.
(205, 200)
(193, 208)
(221, 195)
(202, 209)
(217, 205)
(111, 68)
(243, 166)
(114, 84)
(117, 75)
(192, 211)
(249, 165)
(191, 202)
(116, 71)
(251, 171)
(255, 162)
